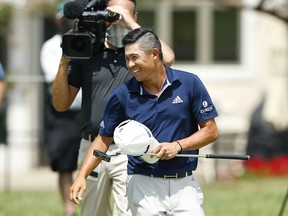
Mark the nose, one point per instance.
(130, 64)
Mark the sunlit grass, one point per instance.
(247, 196)
(250, 195)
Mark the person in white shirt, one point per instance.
(64, 131)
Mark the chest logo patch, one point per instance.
(177, 100)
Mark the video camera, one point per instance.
(89, 29)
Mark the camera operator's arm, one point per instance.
(63, 93)
(168, 54)
(128, 20)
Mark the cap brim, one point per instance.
(151, 158)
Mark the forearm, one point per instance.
(201, 138)
(91, 162)
(61, 89)
(168, 54)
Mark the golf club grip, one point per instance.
(228, 156)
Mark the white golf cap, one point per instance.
(134, 138)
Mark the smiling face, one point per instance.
(140, 63)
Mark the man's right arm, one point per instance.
(63, 93)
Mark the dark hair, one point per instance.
(146, 39)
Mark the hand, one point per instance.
(126, 19)
(166, 150)
(77, 190)
(64, 60)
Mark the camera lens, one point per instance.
(78, 44)
(111, 16)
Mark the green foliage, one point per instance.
(48, 8)
(5, 13)
(5, 16)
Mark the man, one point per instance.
(63, 128)
(173, 104)
(97, 77)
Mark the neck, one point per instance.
(156, 83)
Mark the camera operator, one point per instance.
(97, 77)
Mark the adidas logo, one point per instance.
(177, 100)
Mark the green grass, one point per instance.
(30, 203)
(255, 196)
(249, 196)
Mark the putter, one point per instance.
(107, 158)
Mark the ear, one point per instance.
(155, 53)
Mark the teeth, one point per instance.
(136, 71)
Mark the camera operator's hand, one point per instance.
(126, 19)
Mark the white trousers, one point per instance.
(148, 196)
(111, 181)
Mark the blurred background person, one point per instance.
(63, 128)
(3, 131)
(268, 133)
(2, 85)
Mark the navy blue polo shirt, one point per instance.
(173, 115)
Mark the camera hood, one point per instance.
(77, 45)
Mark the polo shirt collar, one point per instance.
(171, 77)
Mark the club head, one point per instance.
(101, 155)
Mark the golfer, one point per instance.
(179, 112)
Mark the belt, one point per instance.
(170, 176)
(88, 136)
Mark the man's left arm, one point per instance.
(207, 134)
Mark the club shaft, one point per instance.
(106, 157)
(215, 156)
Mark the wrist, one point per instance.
(180, 146)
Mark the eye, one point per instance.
(134, 57)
